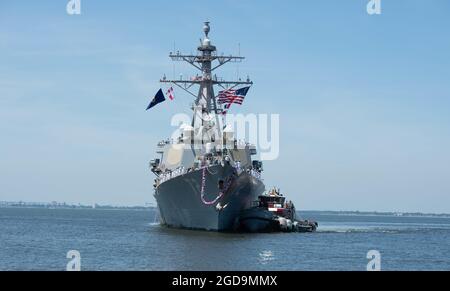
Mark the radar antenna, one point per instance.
(206, 61)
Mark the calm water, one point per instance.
(38, 239)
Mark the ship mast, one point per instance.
(206, 61)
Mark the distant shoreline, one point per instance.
(55, 205)
(63, 205)
(375, 213)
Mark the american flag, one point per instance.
(230, 96)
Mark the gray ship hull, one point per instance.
(180, 204)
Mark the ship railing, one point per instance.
(256, 174)
(170, 174)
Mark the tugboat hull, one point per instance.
(257, 220)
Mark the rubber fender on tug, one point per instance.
(288, 225)
(283, 223)
(295, 226)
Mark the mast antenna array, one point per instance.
(206, 61)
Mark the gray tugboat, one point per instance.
(205, 179)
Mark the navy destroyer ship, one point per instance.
(205, 178)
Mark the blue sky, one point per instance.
(364, 101)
